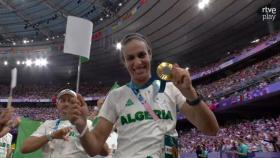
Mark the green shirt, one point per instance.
(244, 150)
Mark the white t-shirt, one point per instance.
(139, 135)
(58, 147)
(5, 144)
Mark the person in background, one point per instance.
(204, 153)
(59, 138)
(242, 150)
(198, 151)
(6, 146)
(274, 141)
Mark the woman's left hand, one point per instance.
(182, 80)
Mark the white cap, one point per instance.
(66, 91)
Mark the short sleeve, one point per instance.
(179, 98)
(109, 108)
(42, 130)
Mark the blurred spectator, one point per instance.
(230, 55)
(242, 151)
(259, 135)
(274, 141)
(210, 91)
(48, 91)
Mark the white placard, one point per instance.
(78, 36)
(14, 78)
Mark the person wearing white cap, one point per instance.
(59, 138)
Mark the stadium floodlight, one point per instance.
(28, 62)
(37, 62)
(5, 62)
(44, 62)
(25, 41)
(202, 4)
(41, 62)
(18, 62)
(119, 46)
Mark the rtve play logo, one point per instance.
(268, 13)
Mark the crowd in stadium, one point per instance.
(222, 108)
(48, 90)
(40, 113)
(260, 130)
(260, 135)
(232, 54)
(208, 90)
(212, 92)
(239, 77)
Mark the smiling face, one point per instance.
(63, 103)
(137, 60)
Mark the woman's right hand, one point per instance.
(61, 134)
(78, 112)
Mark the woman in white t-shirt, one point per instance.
(142, 129)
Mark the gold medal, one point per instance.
(164, 71)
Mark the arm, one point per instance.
(9, 153)
(199, 115)
(34, 143)
(93, 141)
